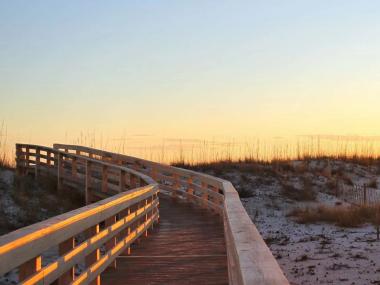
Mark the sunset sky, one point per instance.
(189, 69)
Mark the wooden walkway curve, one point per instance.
(143, 223)
(187, 247)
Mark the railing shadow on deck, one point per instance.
(118, 220)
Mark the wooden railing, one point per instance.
(86, 240)
(249, 259)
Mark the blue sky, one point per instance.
(190, 68)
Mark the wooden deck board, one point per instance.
(187, 247)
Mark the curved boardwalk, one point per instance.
(186, 247)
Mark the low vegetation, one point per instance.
(5, 161)
(306, 193)
(343, 216)
(45, 190)
(27, 201)
(373, 184)
(223, 168)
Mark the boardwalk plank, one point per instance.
(187, 247)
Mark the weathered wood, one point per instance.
(249, 259)
(122, 181)
(74, 170)
(59, 172)
(87, 189)
(187, 247)
(113, 241)
(64, 248)
(204, 194)
(132, 181)
(37, 166)
(189, 189)
(19, 248)
(29, 268)
(104, 178)
(94, 256)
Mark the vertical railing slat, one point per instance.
(122, 181)
(87, 190)
(29, 268)
(65, 165)
(59, 171)
(64, 248)
(175, 185)
(95, 255)
(112, 242)
(38, 160)
(204, 194)
(104, 179)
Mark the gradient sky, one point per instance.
(189, 69)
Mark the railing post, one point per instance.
(204, 194)
(189, 189)
(19, 160)
(146, 216)
(27, 156)
(129, 232)
(88, 183)
(153, 173)
(104, 178)
(74, 169)
(125, 233)
(59, 171)
(214, 198)
(64, 248)
(112, 242)
(175, 185)
(152, 211)
(38, 160)
(138, 221)
(48, 160)
(132, 181)
(135, 166)
(95, 255)
(365, 194)
(29, 268)
(122, 181)
(156, 207)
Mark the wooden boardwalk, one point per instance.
(186, 247)
(204, 235)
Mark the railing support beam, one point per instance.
(29, 268)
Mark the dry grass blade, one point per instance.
(343, 216)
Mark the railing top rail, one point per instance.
(144, 177)
(41, 236)
(177, 170)
(254, 262)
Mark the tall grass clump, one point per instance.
(343, 216)
(359, 149)
(194, 151)
(5, 161)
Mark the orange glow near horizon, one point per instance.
(158, 85)
(193, 151)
